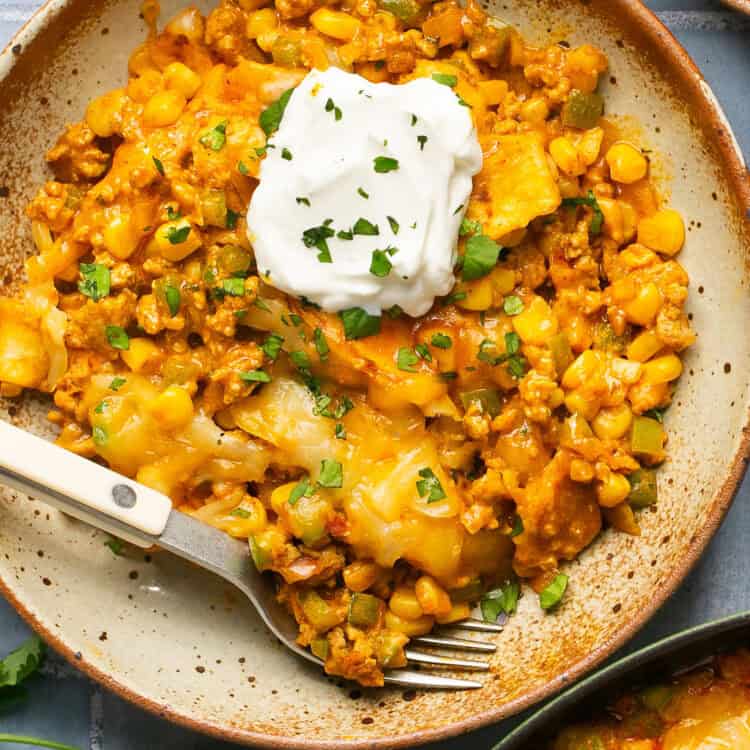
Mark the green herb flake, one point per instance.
(413, 120)
(270, 117)
(241, 513)
(657, 413)
(406, 359)
(340, 431)
(242, 168)
(301, 201)
(517, 367)
(441, 341)
(394, 312)
(446, 79)
(517, 528)
(429, 486)
(363, 193)
(260, 303)
(455, 297)
(365, 228)
(20, 664)
(216, 137)
(234, 287)
(503, 600)
(255, 376)
(512, 343)
(318, 237)
(96, 281)
(232, 217)
(159, 166)
(469, 227)
(173, 214)
(422, 140)
(512, 305)
(344, 234)
(173, 299)
(331, 474)
(302, 488)
(358, 323)
(286, 154)
(383, 164)
(331, 107)
(117, 338)
(395, 226)
(553, 593)
(480, 257)
(380, 265)
(116, 546)
(100, 407)
(301, 359)
(447, 376)
(117, 383)
(99, 434)
(423, 352)
(177, 236)
(272, 345)
(597, 220)
(321, 345)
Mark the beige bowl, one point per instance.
(183, 645)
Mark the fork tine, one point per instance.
(445, 662)
(460, 644)
(478, 626)
(405, 678)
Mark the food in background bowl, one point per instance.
(390, 470)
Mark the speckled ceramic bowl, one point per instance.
(182, 644)
(650, 665)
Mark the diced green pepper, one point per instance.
(319, 647)
(643, 490)
(214, 207)
(318, 612)
(259, 552)
(607, 340)
(308, 518)
(582, 110)
(389, 649)
(287, 52)
(364, 610)
(234, 260)
(561, 352)
(489, 398)
(647, 438)
(469, 593)
(657, 697)
(409, 12)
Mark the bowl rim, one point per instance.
(743, 6)
(703, 102)
(610, 674)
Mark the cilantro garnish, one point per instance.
(216, 137)
(383, 164)
(117, 338)
(441, 341)
(480, 257)
(178, 235)
(286, 154)
(272, 345)
(331, 107)
(270, 117)
(512, 305)
(331, 474)
(318, 237)
(358, 323)
(95, 281)
(445, 78)
(394, 224)
(421, 139)
(429, 486)
(365, 227)
(321, 345)
(159, 166)
(173, 299)
(501, 600)
(597, 220)
(255, 376)
(381, 265)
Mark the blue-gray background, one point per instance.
(66, 707)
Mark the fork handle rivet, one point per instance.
(124, 496)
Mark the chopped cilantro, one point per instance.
(302, 488)
(331, 474)
(429, 486)
(234, 287)
(340, 431)
(441, 341)
(394, 224)
(232, 217)
(99, 434)
(503, 600)
(321, 345)
(117, 338)
(177, 236)
(216, 137)
(173, 299)
(363, 193)
(270, 117)
(406, 359)
(383, 164)
(303, 201)
(344, 234)
(301, 359)
(331, 107)
(318, 237)
(553, 593)
(423, 352)
(159, 166)
(95, 282)
(242, 168)
(512, 305)
(286, 154)
(358, 323)
(469, 227)
(365, 227)
(480, 257)
(445, 78)
(115, 545)
(117, 383)
(422, 139)
(255, 376)
(381, 265)
(597, 220)
(272, 345)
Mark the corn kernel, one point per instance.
(141, 354)
(662, 369)
(537, 323)
(280, 496)
(646, 305)
(581, 471)
(458, 612)
(403, 602)
(163, 109)
(626, 163)
(644, 346)
(581, 369)
(535, 111)
(612, 490)
(360, 575)
(566, 156)
(613, 422)
(412, 628)
(622, 518)
(335, 24)
(479, 295)
(590, 145)
(503, 279)
(613, 220)
(261, 22)
(629, 221)
(172, 242)
(664, 232)
(104, 114)
(432, 597)
(173, 408)
(23, 359)
(121, 236)
(577, 403)
(494, 92)
(180, 78)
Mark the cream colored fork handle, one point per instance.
(99, 495)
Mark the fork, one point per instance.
(145, 518)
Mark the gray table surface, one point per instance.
(67, 707)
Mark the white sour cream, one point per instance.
(337, 127)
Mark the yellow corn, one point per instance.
(458, 612)
(412, 628)
(494, 91)
(173, 408)
(537, 323)
(163, 109)
(664, 232)
(261, 22)
(479, 295)
(280, 496)
(581, 369)
(141, 354)
(662, 369)
(335, 23)
(646, 305)
(432, 597)
(180, 78)
(535, 110)
(169, 243)
(644, 346)
(121, 236)
(360, 575)
(577, 403)
(622, 518)
(590, 145)
(23, 359)
(403, 602)
(626, 163)
(581, 471)
(503, 279)
(565, 155)
(612, 490)
(613, 219)
(103, 115)
(612, 423)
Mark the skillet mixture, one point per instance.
(391, 471)
(705, 709)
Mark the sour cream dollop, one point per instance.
(362, 194)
